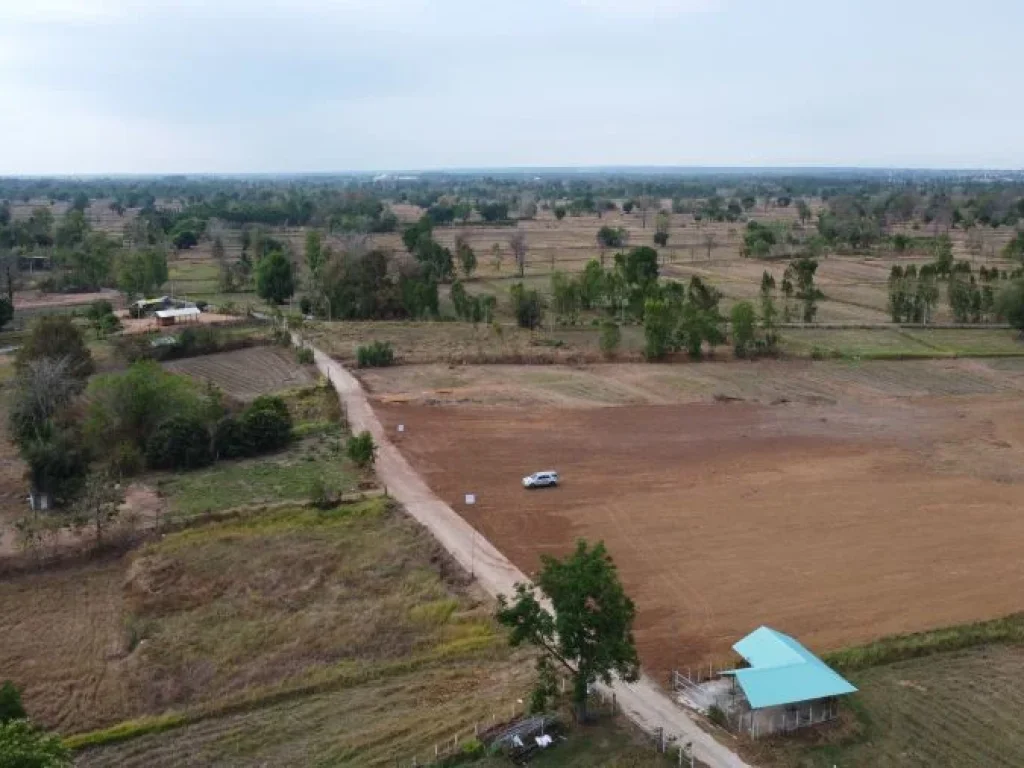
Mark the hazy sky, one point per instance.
(135, 86)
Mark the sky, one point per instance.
(266, 86)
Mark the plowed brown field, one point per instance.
(836, 522)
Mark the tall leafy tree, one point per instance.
(6, 311)
(275, 280)
(588, 628)
(56, 337)
(141, 273)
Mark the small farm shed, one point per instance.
(173, 316)
(145, 306)
(786, 686)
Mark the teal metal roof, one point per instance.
(783, 672)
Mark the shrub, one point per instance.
(10, 703)
(181, 442)
(611, 337)
(230, 440)
(378, 354)
(527, 305)
(126, 459)
(717, 716)
(324, 494)
(361, 449)
(22, 745)
(305, 305)
(266, 424)
(304, 356)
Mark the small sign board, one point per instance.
(470, 499)
(401, 427)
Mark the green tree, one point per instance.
(560, 212)
(592, 284)
(466, 256)
(56, 337)
(128, 406)
(1009, 304)
(659, 325)
(611, 338)
(959, 295)
(141, 273)
(661, 227)
(611, 237)
(180, 442)
(6, 311)
(275, 280)
(527, 306)
(22, 745)
(11, 707)
(803, 210)
(314, 254)
(744, 326)
(589, 627)
(942, 250)
(566, 297)
(72, 230)
(267, 424)
(1014, 250)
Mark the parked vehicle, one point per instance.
(546, 479)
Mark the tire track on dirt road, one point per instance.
(643, 702)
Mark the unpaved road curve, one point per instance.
(642, 701)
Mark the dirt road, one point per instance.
(642, 701)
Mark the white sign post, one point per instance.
(401, 427)
(470, 501)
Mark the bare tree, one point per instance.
(99, 505)
(645, 203)
(517, 243)
(43, 388)
(496, 257)
(9, 273)
(709, 243)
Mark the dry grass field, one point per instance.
(351, 622)
(726, 515)
(245, 374)
(767, 382)
(955, 710)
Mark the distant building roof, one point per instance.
(783, 672)
(182, 312)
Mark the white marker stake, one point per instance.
(401, 427)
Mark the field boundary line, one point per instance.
(642, 702)
(330, 681)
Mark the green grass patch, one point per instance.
(900, 343)
(983, 342)
(854, 344)
(285, 476)
(129, 729)
(888, 650)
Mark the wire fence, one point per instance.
(512, 731)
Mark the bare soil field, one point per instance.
(132, 326)
(246, 374)
(25, 300)
(855, 511)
